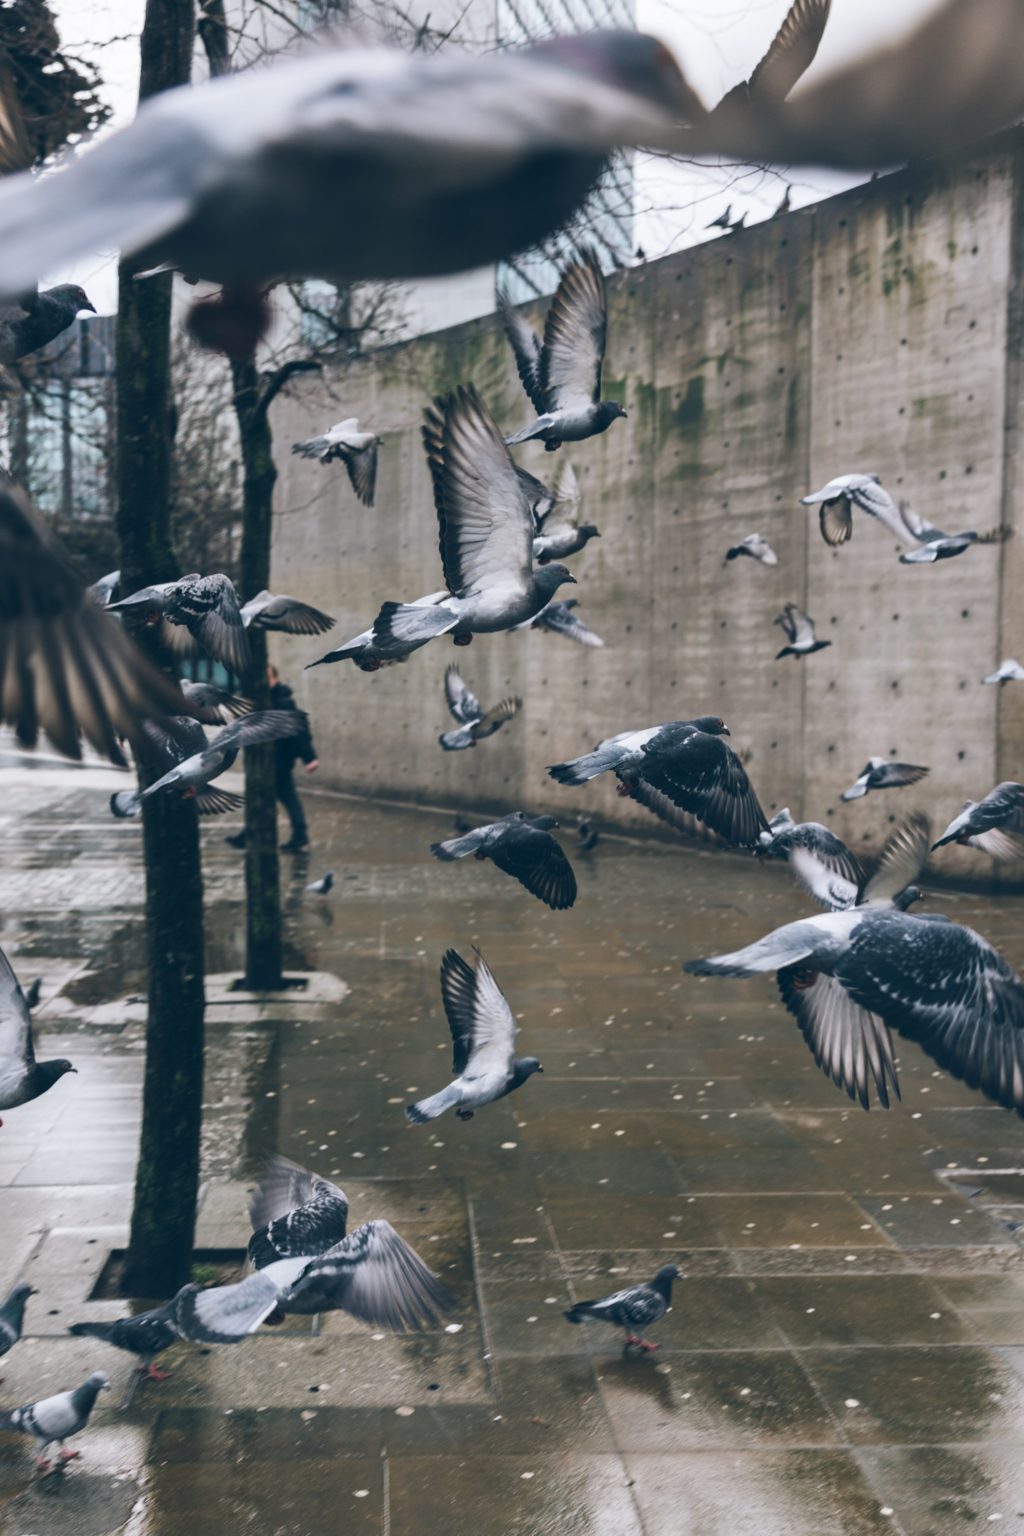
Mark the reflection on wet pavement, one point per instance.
(845, 1353)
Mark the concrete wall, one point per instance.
(879, 331)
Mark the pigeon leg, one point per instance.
(647, 1345)
(42, 1462)
(67, 1456)
(463, 639)
(631, 1339)
(150, 1372)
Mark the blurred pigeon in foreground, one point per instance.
(799, 631)
(12, 1317)
(475, 723)
(212, 705)
(558, 535)
(994, 824)
(22, 1078)
(384, 644)
(323, 886)
(757, 547)
(1009, 671)
(484, 1064)
(35, 319)
(190, 778)
(562, 374)
(64, 667)
(284, 615)
(357, 451)
(521, 846)
(688, 762)
(146, 1334)
(294, 1212)
(102, 591)
(56, 1419)
(559, 617)
(635, 1309)
(880, 773)
(204, 607)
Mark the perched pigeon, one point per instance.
(724, 219)
(56, 1419)
(12, 1317)
(102, 592)
(323, 886)
(190, 778)
(390, 640)
(356, 450)
(521, 846)
(486, 535)
(994, 824)
(484, 1064)
(562, 374)
(799, 631)
(294, 1213)
(880, 773)
(558, 536)
(1009, 671)
(787, 202)
(212, 705)
(686, 761)
(146, 1334)
(34, 993)
(35, 319)
(205, 607)
(757, 547)
(932, 980)
(22, 1078)
(739, 223)
(475, 723)
(285, 615)
(64, 667)
(635, 1309)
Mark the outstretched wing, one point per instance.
(208, 609)
(791, 53)
(374, 1275)
(537, 861)
(483, 1029)
(574, 337)
(463, 704)
(294, 1212)
(16, 1052)
(900, 862)
(362, 472)
(836, 519)
(849, 1044)
(560, 618)
(225, 1314)
(700, 773)
(495, 718)
(259, 726)
(526, 347)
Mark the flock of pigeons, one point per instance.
(366, 163)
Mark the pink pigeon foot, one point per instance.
(67, 1456)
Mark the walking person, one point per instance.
(287, 752)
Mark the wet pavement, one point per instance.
(845, 1353)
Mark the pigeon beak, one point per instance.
(572, 578)
(90, 307)
(725, 731)
(539, 1067)
(74, 1070)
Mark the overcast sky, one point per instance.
(716, 41)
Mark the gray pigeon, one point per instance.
(635, 1309)
(474, 722)
(323, 886)
(787, 202)
(22, 1078)
(757, 547)
(687, 762)
(36, 319)
(200, 609)
(880, 773)
(819, 861)
(385, 643)
(146, 1334)
(839, 497)
(64, 667)
(484, 1064)
(12, 1317)
(521, 846)
(56, 1419)
(791, 54)
(357, 451)
(994, 824)
(294, 1213)
(798, 628)
(559, 533)
(1008, 671)
(559, 618)
(285, 615)
(102, 591)
(562, 374)
(190, 778)
(724, 219)
(212, 705)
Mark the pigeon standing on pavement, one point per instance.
(562, 374)
(560, 618)
(190, 778)
(723, 221)
(994, 824)
(1009, 671)
(521, 846)
(22, 1078)
(12, 1317)
(757, 547)
(36, 319)
(880, 773)
(635, 1309)
(56, 1419)
(484, 1064)
(146, 1334)
(284, 615)
(798, 629)
(212, 705)
(474, 722)
(323, 886)
(357, 450)
(559, 533)
(201, 609)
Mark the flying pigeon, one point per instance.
(562, 374)
(880, 773)
(799, 631)
(724, 219)
(22, 1078)
(686, 761)
(102, 591)
(323, 886)
(994, 824)
(475, 723)
(635, 1309)
(351, 163)
(557, 535)
(839, 497)
(486, 535)
(559, 617)
(385, 643)
(1009, 671)
(190, 778)
(33, 993)
(146, 1334)
(64, 667)
(55, 1419)
(357, 451)
(757, 547)
(285, 615)
(484, 1064)
(930, 979)
(205, 607)
(35, 319)
(294, 1213)
(819, 861)
(521, 846)
(12, 1317)
(212, 705)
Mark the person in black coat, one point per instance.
(287, 752)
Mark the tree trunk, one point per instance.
(167, 1182)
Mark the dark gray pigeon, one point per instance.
(560, 618)
(12, 1317)
(562, 374)
(880, 773)
(994, 824)
(200, 609)
(56, 1419)
(390, 640)
(757, 547)
(104, 591)
(323, 886)
(36, 319)
(724, 219)
(819, 861)
(485, 1066)
(22, 1078)
(635, 1309)
(799, 631)
(690, 764)
(212, 705)
(355, 449)
(146, 1334)
(190, 778)
(521, 846)
(294, 1213)
(559, 533)
(474, 722)
(284, 615)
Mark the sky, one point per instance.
(717, 43)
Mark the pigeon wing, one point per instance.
(898, 774)
(261, 725)
(900, 862)
(526, 348)
(288, 616)
(362, 473)
(458, 993)
(484, 517)
(374, 1275)
(703, 775)
(574, 337)
(537, 861)
(493, 1029)
(827, 871)
(792, 51)
(16, 1049)
(786, 623)
(225, 1314)
(463, 704)
(836, 519)
(561, 620)
(800, 627)
(495, 718)
(850, 1045)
